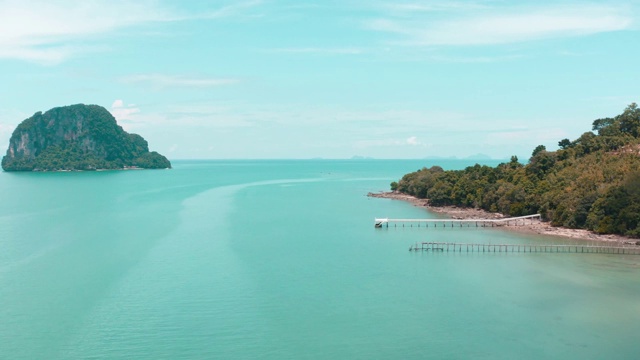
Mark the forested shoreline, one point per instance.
(590, 183)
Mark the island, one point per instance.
(591, 183)
(77, 137)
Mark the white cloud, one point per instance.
(124, 114)
(528, 137)
(507, 26)
(40, 31)
(50, 56)
(186, 116)
(413, 141)
(50, 32)
(165, 81)
(387, 125)
(365, 144)
(431, 6)
(474, 59)
(388, 130)
(9, 120)
(117, 104)
(6, 130)
(211, 116)
(317, 50)
(232, 9)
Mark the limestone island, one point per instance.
(77, 137)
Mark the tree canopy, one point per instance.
(592, 182)
(77, 137)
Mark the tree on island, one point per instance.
(77, 137)
(591, 183)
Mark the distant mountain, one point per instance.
(77, 137)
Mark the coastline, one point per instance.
(537, 227)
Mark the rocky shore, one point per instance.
(535, 227)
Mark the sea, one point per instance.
(279, 259)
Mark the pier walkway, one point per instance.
(525, 248)
(513, 221)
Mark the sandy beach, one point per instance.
(535, 227)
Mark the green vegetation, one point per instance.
(591, 183)
(77, 137)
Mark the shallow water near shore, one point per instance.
(280, 260)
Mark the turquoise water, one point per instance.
(280, 260)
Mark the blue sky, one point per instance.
(331, 79)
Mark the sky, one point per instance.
(264, 79)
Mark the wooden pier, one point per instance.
(525, 248)
(513, 221)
